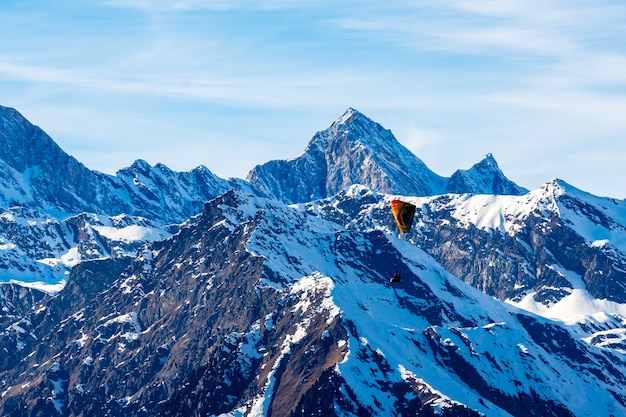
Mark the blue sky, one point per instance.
(231, 84)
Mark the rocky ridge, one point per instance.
(357, 150)
(273, 298)
(314, 315)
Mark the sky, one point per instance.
(541, 85)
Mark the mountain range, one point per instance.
(153, 292)
(356, 150)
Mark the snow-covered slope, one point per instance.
(317, 330)
(558, 251)
(512, 303)
(39, 250)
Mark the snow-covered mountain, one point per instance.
(39, 249)
(35, 172)
(257, 308)
(547, 243)
(273, 298)
(557, 251)
(55, 212)
(483, 178)
(356, 150)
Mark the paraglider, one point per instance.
(403, 213)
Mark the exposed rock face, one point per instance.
(547, 243)
(539, 250)
(257, 308)
(483, 178)
(253, 307)
(353, 150)
(35, 172)
(356, 150)
(30, 156)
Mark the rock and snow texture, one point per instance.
(512, 303)
(35, 172)
(483, 178)
(353, 150)
(356, 150)
(39, 249)
(296, 317)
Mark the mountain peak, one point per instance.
(489, 160)
(485, 177)
(357, 150)
(352, 126)
(353, 150)
(25, 145)
(349, 114)
(352, 115)
(557, 187)
(37, 173)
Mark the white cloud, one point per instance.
(453, 79)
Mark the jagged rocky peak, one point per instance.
(35, 172)
(353, 150)
(353, 126)
(141, 165)
(23, 144)
(558, 191)
(557, 186)
(485, 177)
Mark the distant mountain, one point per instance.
(353, 150)
(160, 193)
(35, 172)
(483, 178)
(36, 247)
(356, 150)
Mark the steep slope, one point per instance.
(557, 251)
(35, 172)
(551, 240)
(483, 178)
(353, 150)
(317, 330)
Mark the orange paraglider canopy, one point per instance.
(403, 213)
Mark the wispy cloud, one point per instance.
(453, 78)
(217, 5)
